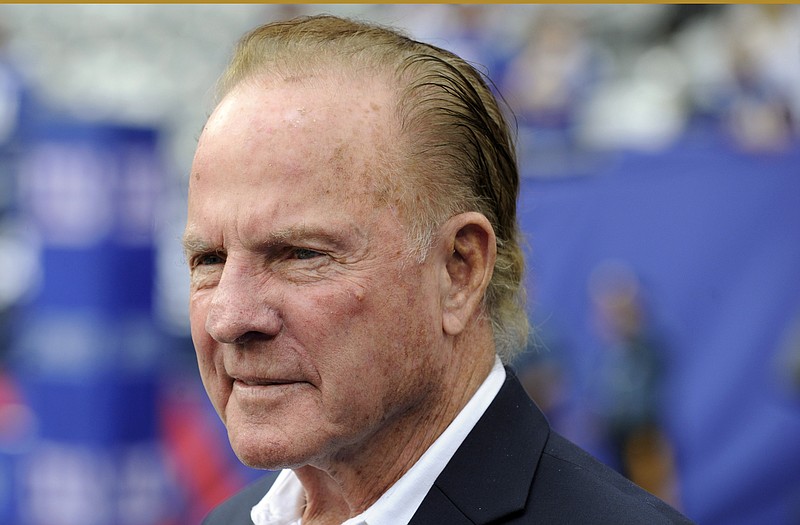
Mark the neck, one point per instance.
(357, 477)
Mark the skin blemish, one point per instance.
(295, 117)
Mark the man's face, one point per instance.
(315, 332)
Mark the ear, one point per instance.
(469, 251)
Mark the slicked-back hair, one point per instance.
(457, 150)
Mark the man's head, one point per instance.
(342, 243)
(457, 152)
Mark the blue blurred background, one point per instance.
(660, 153)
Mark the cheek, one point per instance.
(376, 335)
(197, 322)
(337, 330)
(204, 346)
(334, 306)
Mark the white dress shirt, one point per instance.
(285, 500)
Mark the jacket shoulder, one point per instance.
(570, 478)
(236, 509)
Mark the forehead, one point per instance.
(279, 148)
(341, 125)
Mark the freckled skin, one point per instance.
(318, 339)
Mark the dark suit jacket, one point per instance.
(511, 469)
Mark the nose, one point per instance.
(242, 308)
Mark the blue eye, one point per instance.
(210, 259)
(304, 254)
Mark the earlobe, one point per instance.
(471, 252)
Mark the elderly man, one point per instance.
(355, 288)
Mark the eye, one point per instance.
(208, 259)
(305, 253)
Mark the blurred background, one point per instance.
(660, 153)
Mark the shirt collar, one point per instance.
(283, 503)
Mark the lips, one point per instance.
(257, 381)
(254, 397)
(271, 378)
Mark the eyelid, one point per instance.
(197, 259)
(308, 251)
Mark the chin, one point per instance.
(261, 453)
(261, 459)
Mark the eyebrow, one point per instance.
(303, 232)
(193, 244)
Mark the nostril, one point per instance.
(239, 328)
(251, 337)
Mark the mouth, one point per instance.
(256, 381)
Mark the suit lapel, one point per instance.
(491, 473)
